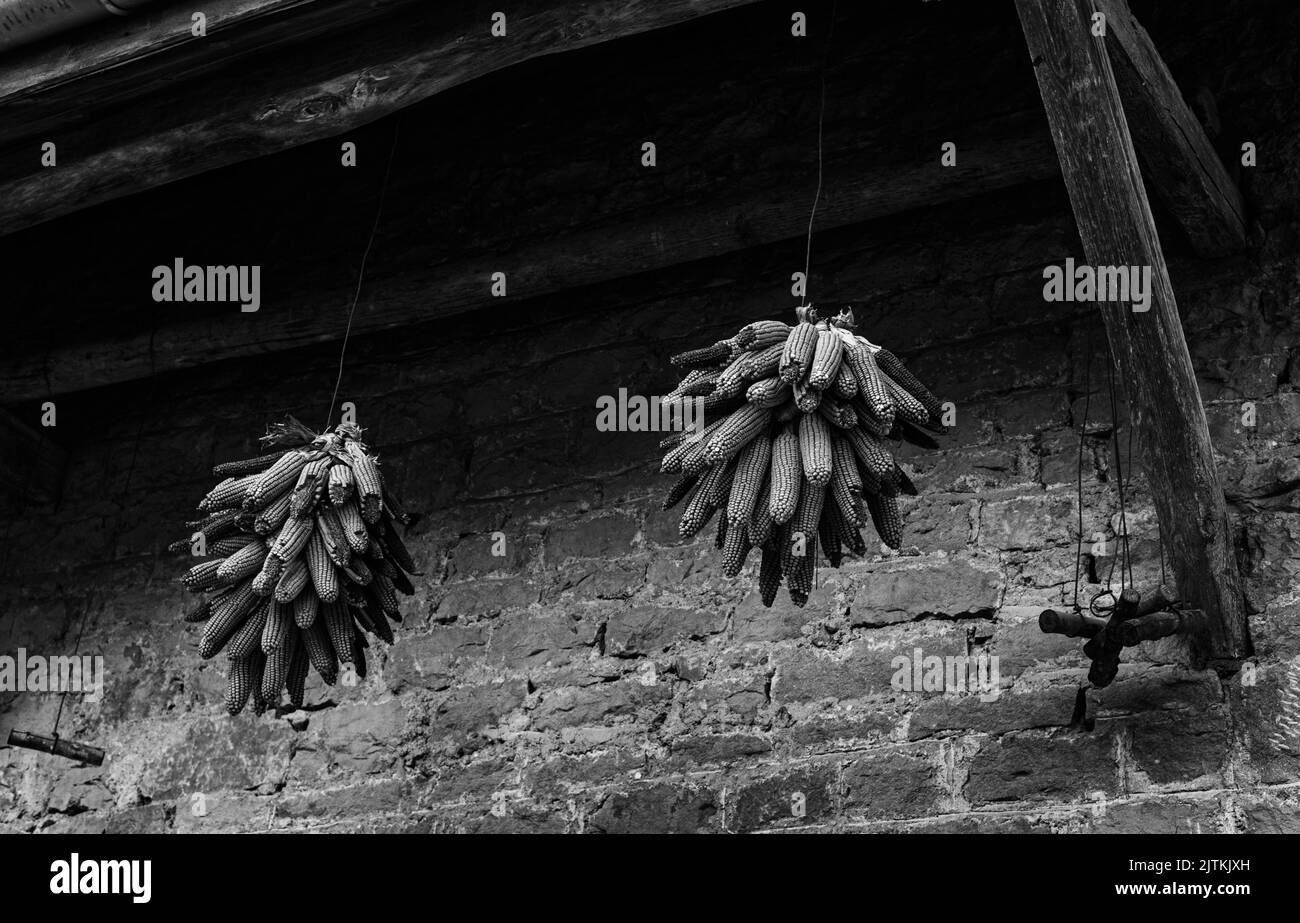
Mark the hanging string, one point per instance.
(1078, 469)
(1122, 545)
(821, 118)
(361, 273)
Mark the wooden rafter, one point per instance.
(647, 242)
(1177, 158)
(366, 60)
(1114, 219)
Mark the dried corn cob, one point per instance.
(276, 628)
(892, 366)
(248, 465)
(681, 487)
(734, 434)
(735, 549)
(354, 529)
(323, 576)
(276, 480)
(229, 494)
(338, 623)
(803, 569)
(239, 683)
(269, 521)
(845, 385)
(243, 563)
(202, 576)
(331, 532)
(815, 449)
(797, 355)
(296, 682)
(760, 522)
(292, 538)
(266, 579)
(765, 363)
(805, 398)
(396, 548)
(382, 590)
(249, 636)
(826, 358)
(701, 507)
(886, 519)
(305, 607)
(320, 652)
(871, 383)
(769, 575)
(366, 472)
(766, 333)
(277, 668)
(837, 413)
(708, 355)
(872, 452)
(341, 483)
(225, 547)
(309, 487)
(768, 392)
(829, 540)
(200, 613)
(751, 470)
(786, 476)
(731, 383)
(292, 580)
(358, 572)
(846, 484)
(906, 406)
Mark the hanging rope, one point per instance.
(361, 273)
(1078, 469)
(821, 117)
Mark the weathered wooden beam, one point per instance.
(1177, 157)
(362, 67)
(654, 241)
(31, 466)
(1115, 224)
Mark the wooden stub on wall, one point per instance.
(1178, 159)
(1114, 219)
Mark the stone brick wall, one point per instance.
(601, 676)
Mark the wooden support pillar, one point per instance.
(1114, 220)
(1177, 157)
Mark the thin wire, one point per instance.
(1128, 405)
(1078, 469)
(361, 273)
(821, 117)
(1119, 480)
(807, 257)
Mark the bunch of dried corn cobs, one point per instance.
(301, 559)
(792, 450)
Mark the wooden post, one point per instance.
(1179, 160)
(1114, 220)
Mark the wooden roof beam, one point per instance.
(648, 242)
(148, 127)
(1178, 160)
(1114, 219)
